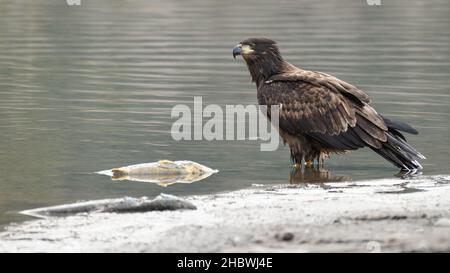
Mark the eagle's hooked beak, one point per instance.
(243, 50)
(237, 50)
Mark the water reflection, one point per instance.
(314, 174)
(162, 180)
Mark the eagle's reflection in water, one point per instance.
(314, 174)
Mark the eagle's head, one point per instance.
(262, 57)
(253, 48)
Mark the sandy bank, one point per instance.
(382, 215)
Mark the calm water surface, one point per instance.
(91, 87)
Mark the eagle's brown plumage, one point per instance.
(321, 114)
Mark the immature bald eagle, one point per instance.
(321, 114)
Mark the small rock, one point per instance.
(392, 240)
(287, 236)
(399, 217)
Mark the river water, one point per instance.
(91, 87)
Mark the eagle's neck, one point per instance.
(265, 66)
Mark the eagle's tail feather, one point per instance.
(400, 153)
(398, 125)
(395, 127)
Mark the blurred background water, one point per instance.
(90, 87)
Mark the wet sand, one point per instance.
(391, 215)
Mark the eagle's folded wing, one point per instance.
(323, 110)
(324, 80)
